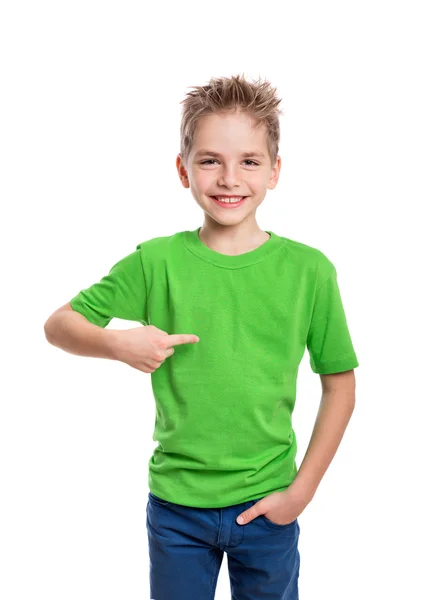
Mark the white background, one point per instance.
(90, 114)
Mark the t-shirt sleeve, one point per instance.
(120, 294)
(329, 342)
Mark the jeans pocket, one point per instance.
(278, 525)
(270, 523)
(158, 501)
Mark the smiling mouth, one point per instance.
(229, 201)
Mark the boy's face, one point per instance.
(229, 173)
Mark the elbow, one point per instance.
(47, 333)
(48, 330)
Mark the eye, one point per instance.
(211, 160)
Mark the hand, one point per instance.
(280, 507)
(146, 348)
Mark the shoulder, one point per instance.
(311, 257)
(159, 247)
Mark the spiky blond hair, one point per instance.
(228, 94)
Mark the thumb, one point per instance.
(248, 515)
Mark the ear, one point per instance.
(275, 172)
(183, 173)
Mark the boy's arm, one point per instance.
(336, 407)
(333, 358)
(72, 332)
(79, 326)
(120, 294)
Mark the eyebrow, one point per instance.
(244, 154)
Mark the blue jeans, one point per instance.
(186, 546)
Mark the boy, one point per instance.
(252, 301)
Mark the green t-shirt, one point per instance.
(224, 404)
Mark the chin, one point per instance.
(226, 222)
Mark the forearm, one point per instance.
(334, 413)
(72, 332)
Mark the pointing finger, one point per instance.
(176, 339)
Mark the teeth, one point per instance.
(231, 200)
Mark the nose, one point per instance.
(229, 177)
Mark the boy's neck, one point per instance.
(232, 240)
